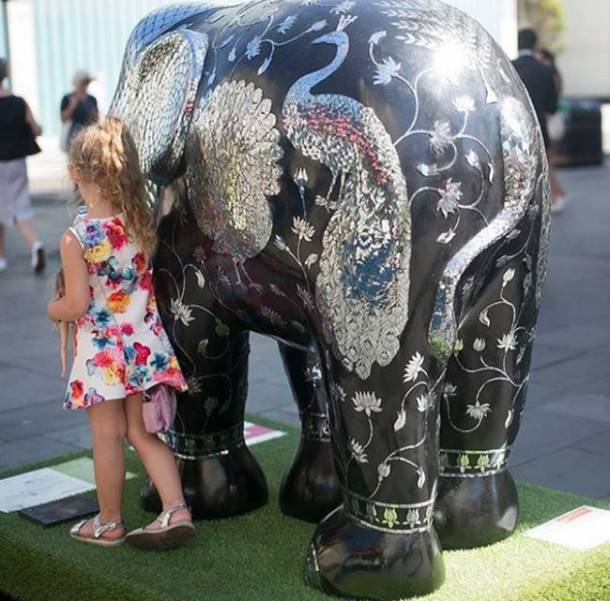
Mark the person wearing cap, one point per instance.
(79, 108)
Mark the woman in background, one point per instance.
(558, 195)
(18, 130)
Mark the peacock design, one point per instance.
(363, 286)
(236, 169)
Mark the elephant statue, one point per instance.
(365, 181)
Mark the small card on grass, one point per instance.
(64, 510)
(255, 434)
(48, 484)
(582, 529)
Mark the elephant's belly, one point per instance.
(267, 302)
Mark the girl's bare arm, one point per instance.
(75, 303)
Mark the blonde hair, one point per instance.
(106, 154)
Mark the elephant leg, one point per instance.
(484, 394)
(219, 474)
(309, 490)
(380, 543)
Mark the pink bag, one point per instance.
(159, 408)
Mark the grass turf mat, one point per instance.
(260, 557)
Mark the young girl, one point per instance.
(122, 349)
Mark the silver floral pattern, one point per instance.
(233, 168)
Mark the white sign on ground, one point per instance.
(75, 477)
(582, 529)
(48, 484)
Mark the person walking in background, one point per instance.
(556, 127)
(18, 132)
(78, 109)
(540, 81)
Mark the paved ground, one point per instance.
(565, 439)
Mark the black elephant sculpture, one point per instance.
(364, 181)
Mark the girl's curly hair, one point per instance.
(106, 154)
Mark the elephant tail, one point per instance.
(521, 149)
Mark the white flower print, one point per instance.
(449, 390)
(450, 197)
(414, 367)
(441, 137)
(473, 159)
(303, 229)
(272, 316)
(478, 411)
(358, 451)
(508, 342)
(479, 344)
(464, 104)
(412, 517)
(195, 385)
(300, 177)
(401, 420)
(286, 24)
(509, 274)
(367, 402)
(180, 311)
(337, 392)
(254, 47)
(385, 71)
(424, 402)
(383, 470)
(306, 297)
(343, 8)
(280, 243)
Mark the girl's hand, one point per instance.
(75, 302)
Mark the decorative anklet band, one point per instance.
(315, 426)
(192, 447)
(390, 517)
(472, 464)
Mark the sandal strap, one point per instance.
(166, 515)
(99, 528)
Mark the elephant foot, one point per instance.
(352, 559)
(310, 489)
(218, 486)
(476, 511)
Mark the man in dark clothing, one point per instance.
(78, 108)
(541, 83)
(539, 79)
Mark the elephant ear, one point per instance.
(156, 96)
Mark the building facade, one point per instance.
(51, 39)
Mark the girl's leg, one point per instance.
(157, 458)
(108, 429)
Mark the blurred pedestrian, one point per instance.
(78, 109)
(540, 81)
(18, 133)
(556, 127)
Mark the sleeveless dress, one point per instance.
(121, 346)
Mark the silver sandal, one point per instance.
(98, 530)
(166, 537)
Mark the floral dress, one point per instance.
(121, 346)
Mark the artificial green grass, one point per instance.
(260, 556)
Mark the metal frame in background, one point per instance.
(6, 37)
